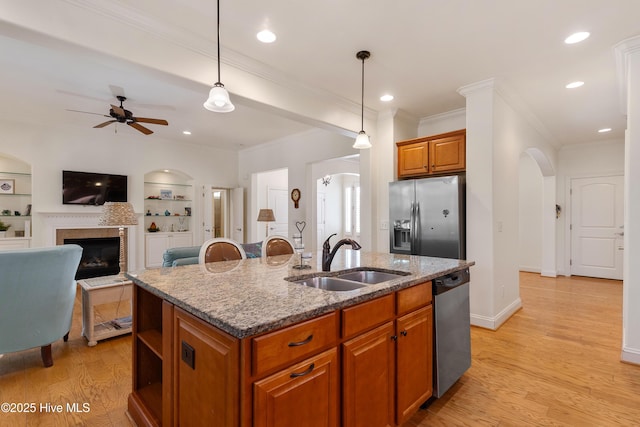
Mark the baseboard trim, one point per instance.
(549, 273)
(495, 322)
(529, 269)
(630, 355)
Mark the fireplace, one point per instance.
(100, 256)
(100, 250)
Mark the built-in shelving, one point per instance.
(15, 202)
(168, 204)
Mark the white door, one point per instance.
(215, 213)
(278, 200)
(207, 214)
(237, 214)
(597, 227)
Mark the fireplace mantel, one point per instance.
(54, 221)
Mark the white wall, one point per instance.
(530, 215)
(442, 123)
(276, 179)
(497, 134)
(296, 153)
(50, 149)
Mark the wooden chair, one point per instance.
(220, 249)
(277, 245)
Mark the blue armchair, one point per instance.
(37, 293)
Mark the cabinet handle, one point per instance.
(404, 333)
(302, 374)
(394, 337)
(433, 166)
(299, 343)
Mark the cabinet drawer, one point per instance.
(413, 297)
(364, 316)
(281, 347)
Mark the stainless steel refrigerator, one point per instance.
(427, 216)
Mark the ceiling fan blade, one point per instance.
(87, 112)
(140, 128)
(92, 98)
(152, 121)
(101, 125)
(119, 111)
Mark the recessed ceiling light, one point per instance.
(605, 130)
(386, 98)
(266, 36)
(186, 132)
(576, 37)
(574, 85)
(166, 171)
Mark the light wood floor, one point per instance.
(554, 363)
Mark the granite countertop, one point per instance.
(251, 296)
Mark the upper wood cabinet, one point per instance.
(432, 155)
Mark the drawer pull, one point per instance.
(302, 374)
(299, 343)
(404, 333)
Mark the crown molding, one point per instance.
(622, 52)
(200, 45)
(453, 114)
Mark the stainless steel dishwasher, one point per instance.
(452, 330)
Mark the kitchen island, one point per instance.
(236, 343)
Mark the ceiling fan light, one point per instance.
(362, 141)
(218, 100)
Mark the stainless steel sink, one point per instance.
(349, 280)
(370, 277)
(329, 283)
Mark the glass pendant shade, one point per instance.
(362, 141)
(218, 100)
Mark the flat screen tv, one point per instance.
(88, 188)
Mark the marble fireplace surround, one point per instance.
(60, 226)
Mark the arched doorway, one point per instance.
(538, 214)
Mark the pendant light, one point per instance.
(218, 100)
(362, 140)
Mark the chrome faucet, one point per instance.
(328, 254)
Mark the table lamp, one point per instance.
(266, 215)
(118, 214)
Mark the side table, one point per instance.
(103, 290)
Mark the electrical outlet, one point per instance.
(188, 355)
(384, 225)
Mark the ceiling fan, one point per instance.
(121, 115)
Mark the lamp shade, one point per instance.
(266, 215)
(218, 100)
(118, 214)
(362, 141)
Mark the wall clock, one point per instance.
(295, 196)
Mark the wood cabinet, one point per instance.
(306, 393)
(206, 376)
(369, 378)
(388, 371)
(368, 364)
(150, 400)
(414, 367)
(432, 155)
